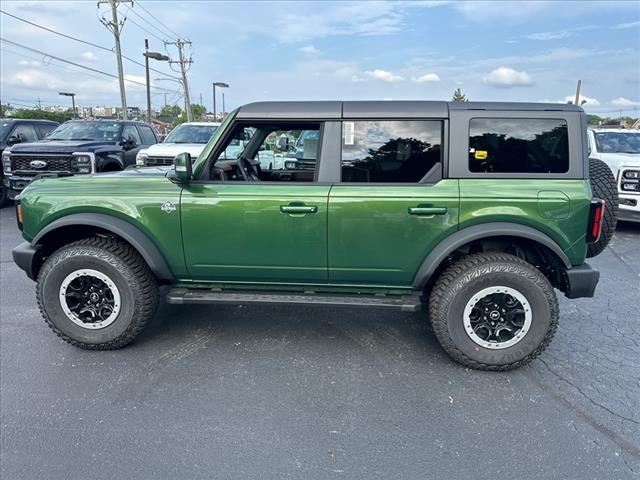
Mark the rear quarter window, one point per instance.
(518, 145)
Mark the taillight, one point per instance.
(596, 220)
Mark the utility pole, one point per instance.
(223, 109)
(183, 70)
(577, 102)
(115, 28)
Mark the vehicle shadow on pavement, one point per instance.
(373, 334)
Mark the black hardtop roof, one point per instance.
(384, 109)
(35, 120)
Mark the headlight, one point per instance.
(290, 165)
(141, 159)
(83, 163)
(632, 174)
(6, 162)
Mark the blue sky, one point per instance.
(492, 50)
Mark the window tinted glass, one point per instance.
(283, 152)
(130, 131)
(148, 138)
(26, 133)
(518, 145)
(390, 151)
(45, 129)
(618, 142)
(86, 130)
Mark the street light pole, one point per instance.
(146, 71)
(73, 100)
(156, 56)
(221, 85)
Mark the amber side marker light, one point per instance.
(19, 215)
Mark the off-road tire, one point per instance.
(117, 260)
(465, 278)
(603, 186)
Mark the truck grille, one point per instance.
(156, 161)
(53, 163)
(629, 181)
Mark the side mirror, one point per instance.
(13, 139)
(128, 143)
(183, 167)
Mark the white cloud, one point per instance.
(584, 100)
(426, 78)
(310, 50)
(506, 77)
(88, 56)
(384, 75)
(550, 35)
(627, 25)
(624, 102)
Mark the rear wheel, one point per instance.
(97, 293)
(603, 186)
(493, 311)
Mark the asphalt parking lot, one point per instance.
(295, 392)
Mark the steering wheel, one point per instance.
(248, 171)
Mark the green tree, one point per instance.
(198, 112)
(458, 96)
(170, 111)
(35, 114)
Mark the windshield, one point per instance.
(618, 142)
(100, 131)
(191, 134)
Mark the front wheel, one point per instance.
(97, 293)
(493, 311)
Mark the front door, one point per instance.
(392, 206)
(245, 224)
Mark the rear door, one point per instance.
(272, 229)
(392, 205)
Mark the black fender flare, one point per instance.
(476, 232)
(129, 232)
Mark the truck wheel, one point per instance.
(97, 293)
(603, 186)
(493, 311)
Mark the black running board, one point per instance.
(405, 303)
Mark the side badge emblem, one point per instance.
(168, 207)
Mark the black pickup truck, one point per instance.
(20, 130)
(75, 147)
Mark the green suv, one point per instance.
(474, 212)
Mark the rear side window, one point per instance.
(390, 151)
(148, 138)
(518, 145)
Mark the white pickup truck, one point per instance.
(187, 137)
(620, 149)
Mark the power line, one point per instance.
(101, 47)
(77, 64)
(129, 9)
(163, 40)
(156, 19)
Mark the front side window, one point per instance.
(26, 133)
(130, 131)
(267, 152)
(518, 145)
(390, 151)
(86, 130)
